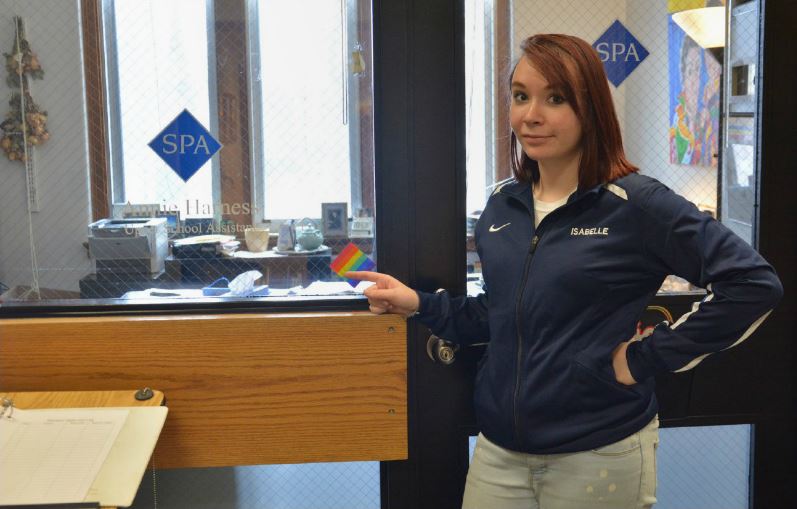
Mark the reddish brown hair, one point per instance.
(573, 67)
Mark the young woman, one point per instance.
(572, 251)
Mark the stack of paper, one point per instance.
(73, 455)
(53, 456)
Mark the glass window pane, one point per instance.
(305, 124)
(706, 467)
(686, 111)
(740, 165)
(329, 485)
(162, 68)
(204, 141)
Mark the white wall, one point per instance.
(52, 28)
(642, 100)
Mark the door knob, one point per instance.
(440, 350)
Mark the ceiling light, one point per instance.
(705, 25)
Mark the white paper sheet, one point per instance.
(53, 456)
(334, 288)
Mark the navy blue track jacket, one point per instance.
(559, 298)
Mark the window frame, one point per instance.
(97, 122)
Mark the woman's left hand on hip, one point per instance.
(621, 371)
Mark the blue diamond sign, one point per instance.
(620, 52)
(185, 145)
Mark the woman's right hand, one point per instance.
(388, 295)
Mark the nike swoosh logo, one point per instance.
(494, 229)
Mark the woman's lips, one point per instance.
(533, 139)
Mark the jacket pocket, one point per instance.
(594, 394)
(603, 369)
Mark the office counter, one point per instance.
(242, 389)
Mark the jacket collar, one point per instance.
(522, 191)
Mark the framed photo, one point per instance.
(334, 220)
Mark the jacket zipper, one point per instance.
(534, 241)
(532, 248)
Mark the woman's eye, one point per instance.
(519, 96)
(556, 99)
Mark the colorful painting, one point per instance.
(694, 101)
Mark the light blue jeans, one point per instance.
(621, 475)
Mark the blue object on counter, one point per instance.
(221, 286)
(217, 287)
(259, 291)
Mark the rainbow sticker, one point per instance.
(351, 258)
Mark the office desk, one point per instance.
(113, 286)
(279, 270)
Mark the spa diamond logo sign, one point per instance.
(620, 52)
(185, 145)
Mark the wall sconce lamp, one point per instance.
(705, 25)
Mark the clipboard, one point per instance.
(117, 481)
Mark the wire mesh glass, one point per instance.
(687, 109)
(305, 486)
(176, 146)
